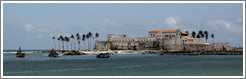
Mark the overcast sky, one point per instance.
(32, 25)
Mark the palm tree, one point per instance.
(90, 35)
(78, 44)
(201, 33)
(62, 39)
(187, 33)
(59, 42)
(206, 36)
(97, 35)
(87, 37)
(54, 41)
(193, 34)
(198, 36)
(67, 40)
(212, 36)
(78, 39)
(82, 42)
(83, 39)
(72, 37)
(93, 43)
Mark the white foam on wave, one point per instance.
(9, 52)
(22, 52)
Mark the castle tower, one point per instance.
(122, 36)
(109, 36)
(178, 33)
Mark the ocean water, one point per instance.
(39, 64)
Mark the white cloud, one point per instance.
(224, 25)
(111, 22)
(172, 21)
(28, 27)
(42, 29)
(104, 25)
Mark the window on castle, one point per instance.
(166, 35)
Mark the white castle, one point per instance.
(159, 40)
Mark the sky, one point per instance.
(32, 25)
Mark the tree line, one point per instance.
(201, 34)
(87, 40)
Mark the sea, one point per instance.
(39, 64)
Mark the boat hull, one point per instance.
(53, 55)
(103, 56)
(20, 55)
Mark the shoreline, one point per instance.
(159, 52)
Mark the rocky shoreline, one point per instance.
(159, 52)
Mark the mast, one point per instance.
(19, 49)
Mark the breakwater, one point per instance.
(160, 52)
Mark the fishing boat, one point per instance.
(19, 53)
(53, 53)
(103, 55)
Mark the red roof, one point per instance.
(188, 37)
(196, 43)
(184, 33)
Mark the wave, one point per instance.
(63, 70)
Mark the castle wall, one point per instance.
(165, 45)
(198, 40)
(133, 39)
(221, 46)
(171, 40)
(101, 45)
(126, 45)
(203, 47)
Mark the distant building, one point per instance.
(157, 40)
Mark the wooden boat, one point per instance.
(53, 53)
(20, 54)
(75, 53)
(103, 55)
